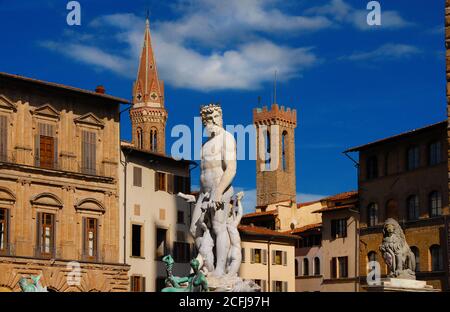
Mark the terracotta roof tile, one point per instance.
(300, 205)
(264, 231)
(305, 228)
(340, 207)
(259, 214)
(342, 196)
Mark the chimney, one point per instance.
(100, 89)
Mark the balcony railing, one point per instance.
(101, 169)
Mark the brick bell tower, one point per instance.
(148, 115)
(275, 162)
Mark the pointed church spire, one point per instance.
(148, 90)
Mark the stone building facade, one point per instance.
(405, 177)
(59, 196)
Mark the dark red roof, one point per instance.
(300, 205)
(342, 196)
(394, 137)
(61, 86)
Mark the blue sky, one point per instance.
(350, 83)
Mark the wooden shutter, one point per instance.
(3, 137)
(263, 285)
(170, 182)
(156, 181)
(143, 284)
(37, 150)
(252, 258)
(89, 152)
(187, 185)
(284, 287)
(274, 286)
(38, 233)
(274, 257)
(243, 255)
(137, 176)
(284, 258)
(344, 224)
(264, 256)
(53, 236)
(84, 237)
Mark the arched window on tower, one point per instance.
(268, 148)
(139, 139)
(283, 150)
(153, 139)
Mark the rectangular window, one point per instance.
(136, 240)
(137, 283)
(137, 176)
(46, 153)
(413, 158)
(333, 267)
(256, 256)
(277, 286)
(181, 252)
(160, 181)
(89, 153)
(343, 267)
(3, 138)
(180, 217)
(339, 228)
(161, 243)
(278, 255)
(435, 153)
(46, 234)
(90, 232)
(3, 230)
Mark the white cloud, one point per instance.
(241, 65)
(386, 52)
(344, 13)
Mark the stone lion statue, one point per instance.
(396, 252)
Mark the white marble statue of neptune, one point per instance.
(213, 206)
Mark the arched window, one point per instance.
(296, 267)
(416, 253)
(392, 209)
(153, 139)
(372, 214)
(140, 142)
(436, 258)
(305, 267)
(412, 203)
(372, 167)
(435, 204)
(371, 256)
(316, 266)
(268, 149)
(283, 150)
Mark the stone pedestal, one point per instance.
(400, 285)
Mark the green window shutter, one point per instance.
(252, 252)
(284, 261)
(264, 256)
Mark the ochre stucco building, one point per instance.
(59, 195)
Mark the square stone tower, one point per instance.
(275, 161)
